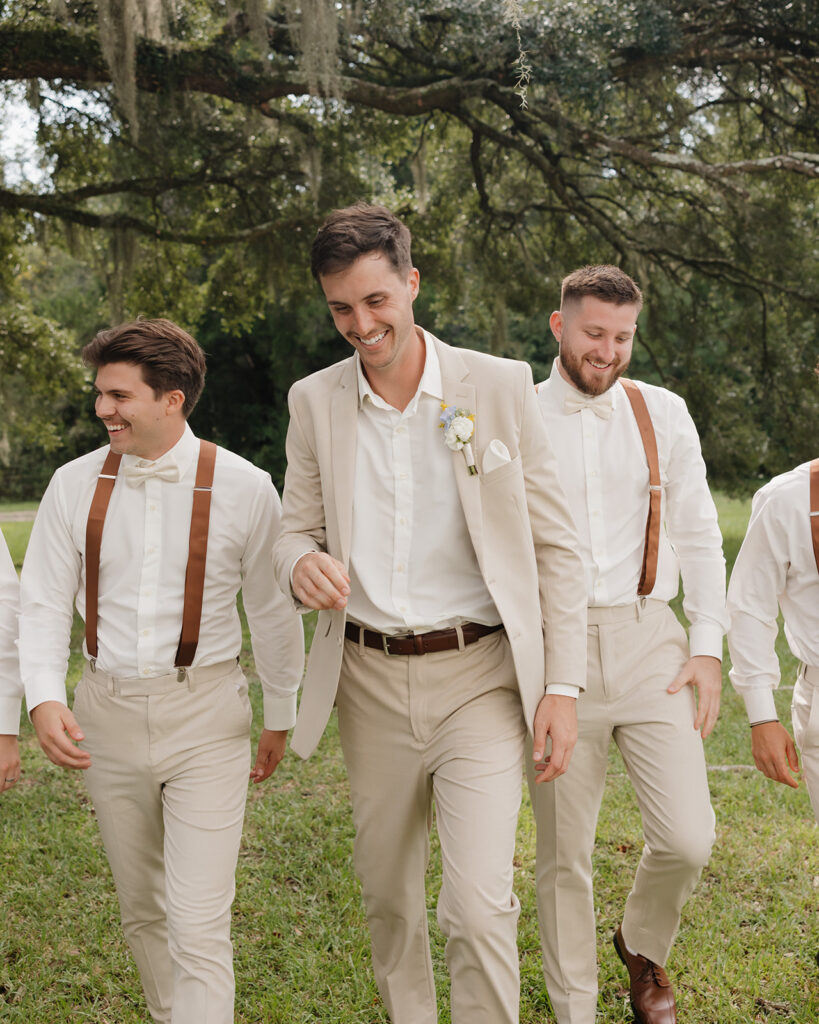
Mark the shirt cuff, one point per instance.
(705, 638)
(562, 690)
(10, 716)
(279, 712)
(760, 705)
(41, 690)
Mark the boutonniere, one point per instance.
(458, 426)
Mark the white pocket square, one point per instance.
(496, 455)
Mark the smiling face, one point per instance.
(138, 423)
(595, 339)
(371, 303)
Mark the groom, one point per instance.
(451, 613)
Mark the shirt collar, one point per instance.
(560, 387)
(181, 454)
(430, 383)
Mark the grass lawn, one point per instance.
(745, 952)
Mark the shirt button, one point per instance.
(145, 672)
(146, 632)
(152, 508)
(399, 568)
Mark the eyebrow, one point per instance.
(341, 302)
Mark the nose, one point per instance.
(363, 321)
(103, 406)
(606, 348)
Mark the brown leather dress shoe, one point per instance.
(652, 997)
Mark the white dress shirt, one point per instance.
(412, 563)
(604, 472)
(142, 577)
(775, 568)
(11, 688)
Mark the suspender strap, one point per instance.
(197, 555)
(652, 543)
(93, 542)
(814, 508)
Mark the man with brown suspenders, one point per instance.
(11, 689)
(153, 537)
(630, 464)
(778, 568)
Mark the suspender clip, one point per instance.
(93, 664)
(181, 674)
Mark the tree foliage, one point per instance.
(679, 139)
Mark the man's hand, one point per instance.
(9, 762)
(271, 750)
(556, 717)
(56, 727)
(321, 581)
(704, 673)
(775, 752)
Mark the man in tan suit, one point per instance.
(441, 556)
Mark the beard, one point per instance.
(596, 384)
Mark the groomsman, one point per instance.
(440, 552)
(631, 467)
(11, 689)
(778, 568)
(153, 536)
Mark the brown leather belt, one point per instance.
(419, 643)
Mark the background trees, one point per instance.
(190, 151)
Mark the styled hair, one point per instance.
(169, 357)
(356, 230)
(605, 282)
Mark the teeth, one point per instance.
(599, 366)
(113, 428)
(372, 341)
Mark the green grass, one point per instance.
(744, 953)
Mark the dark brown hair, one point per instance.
(605, 282)
(169, 357)
(358, 229)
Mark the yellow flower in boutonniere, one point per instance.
(458, 426)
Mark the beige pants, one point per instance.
(446, 727)
(634, 653)
(805, 719)
(168, 779)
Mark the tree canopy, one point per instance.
(190, 151)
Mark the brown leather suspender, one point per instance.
(652, 543)
(814, 508)
(197, 552)
(197, 555)
(93, 543)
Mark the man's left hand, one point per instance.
(272, 745)
(9, 762)
(556, 717)
(704, 673)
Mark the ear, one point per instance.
(414, 282)
(556, 324)
(174, 402)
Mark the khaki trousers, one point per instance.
(447, 728)
(635, 651)
(805, 719)
(168, 778)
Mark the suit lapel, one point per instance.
(463, 395)
(343, 432)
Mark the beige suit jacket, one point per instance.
(516, 514)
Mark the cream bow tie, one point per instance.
(600, 405)
(138, 473)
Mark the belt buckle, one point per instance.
(385, 641)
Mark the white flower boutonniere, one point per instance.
(458, 426)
